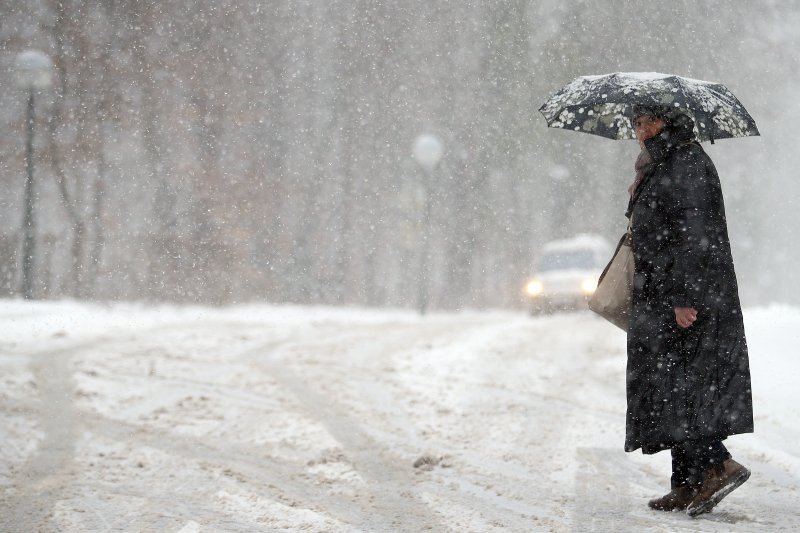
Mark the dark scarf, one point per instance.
(644, 166)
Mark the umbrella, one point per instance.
(602, 105)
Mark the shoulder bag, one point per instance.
(612, 298)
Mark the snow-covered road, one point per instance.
(256, 418)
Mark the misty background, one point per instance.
(220, 151)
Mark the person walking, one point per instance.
(688, 378)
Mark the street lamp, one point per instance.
(427, 153)
(33, 70)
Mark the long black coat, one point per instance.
(683, 384)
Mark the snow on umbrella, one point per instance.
(602, 105)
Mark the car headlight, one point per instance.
(534, 287)
(589, 285)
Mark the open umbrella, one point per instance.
(602, 105)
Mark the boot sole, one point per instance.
(717, 497)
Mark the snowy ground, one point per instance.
(256, 418)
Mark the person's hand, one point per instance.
(685, 316)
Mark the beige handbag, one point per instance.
(612, 298)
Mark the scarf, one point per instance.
(644, 165)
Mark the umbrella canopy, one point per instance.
(602, 105)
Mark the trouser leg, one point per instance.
(691, 458)
(711, 452)
(683, 467)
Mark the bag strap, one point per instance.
(629, 232)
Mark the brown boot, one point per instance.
(678, 499)
(718, 481)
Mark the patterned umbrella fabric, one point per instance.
(602, 105)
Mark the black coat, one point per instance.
(683, 384)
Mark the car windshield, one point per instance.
(567, 260)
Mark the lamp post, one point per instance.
(427, 153)
(33, 73)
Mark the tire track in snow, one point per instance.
(555, 418)
(256, 472)
(213, 457)
(246, 462)
(393, 502)
(493, 507)
(44, 477)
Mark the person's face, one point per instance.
(647, 126)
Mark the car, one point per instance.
(566, 273)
